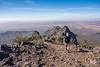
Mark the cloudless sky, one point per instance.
(25, 10)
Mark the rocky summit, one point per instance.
(47, 51)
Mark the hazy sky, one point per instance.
(33, 10)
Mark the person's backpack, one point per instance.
(67, 34)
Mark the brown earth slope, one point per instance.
(50, 55)
(57, 56)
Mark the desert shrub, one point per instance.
(18, 40)
(38, 42)
(86, 44)
(60, 40)
(56, 40)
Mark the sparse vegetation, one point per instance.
(86, 44)
(18, 40)
(35, 39)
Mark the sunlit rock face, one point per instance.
(56, 34)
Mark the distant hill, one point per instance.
(7, 36)
(86, 30)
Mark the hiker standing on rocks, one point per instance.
(66, 36)
(67, 39)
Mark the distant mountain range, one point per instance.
(87, 30)
(6, 37)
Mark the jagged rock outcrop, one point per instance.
(36, 35)
(56, 35)
(26, 55)
(49, 55)
(36, 38)
(23, 52)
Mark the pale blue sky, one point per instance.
(37, 10)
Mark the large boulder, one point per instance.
(36, 35)
(6, 48)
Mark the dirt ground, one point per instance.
(52, 55)
(57, 56)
